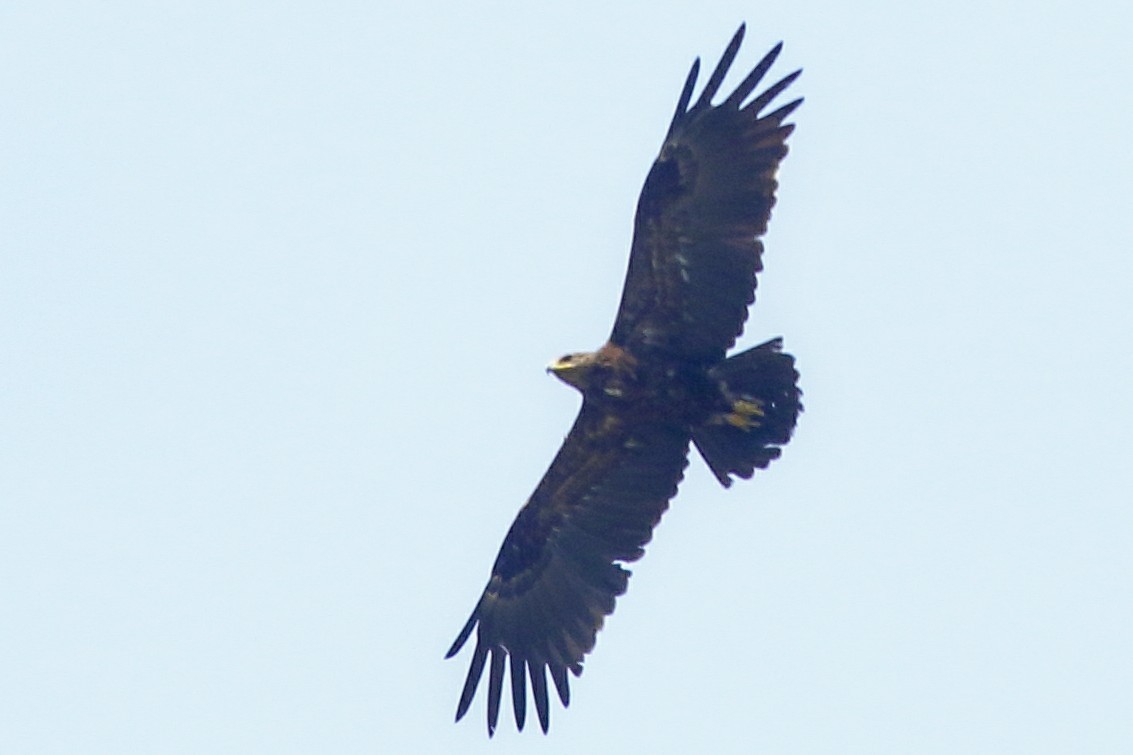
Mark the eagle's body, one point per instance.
(661, 381)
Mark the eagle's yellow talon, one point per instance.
(749, 408)
(741, 421)
(743, 414)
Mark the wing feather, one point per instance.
(772, 92)
(751, 81)
(686, 93)
(559, 570)
(495, 685)
(705, 203)
(519, 690)
(539, 692)
(721, 70)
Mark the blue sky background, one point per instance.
(278, 282)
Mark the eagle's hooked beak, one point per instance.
(559, 367)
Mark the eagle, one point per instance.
(662, 379)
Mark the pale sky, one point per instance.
(278, 284)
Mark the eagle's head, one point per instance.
(574, 369)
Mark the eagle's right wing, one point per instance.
(558, 573)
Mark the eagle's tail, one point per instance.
(760, 405)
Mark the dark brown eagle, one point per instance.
(660, 381)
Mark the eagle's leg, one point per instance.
(743, 414)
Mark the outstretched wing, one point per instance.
(705, 201)
(557, 573)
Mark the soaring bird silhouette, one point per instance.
(661, 380)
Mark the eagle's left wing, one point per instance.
(705, 202)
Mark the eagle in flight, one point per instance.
(661, 380)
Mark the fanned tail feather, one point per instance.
(760, 390)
